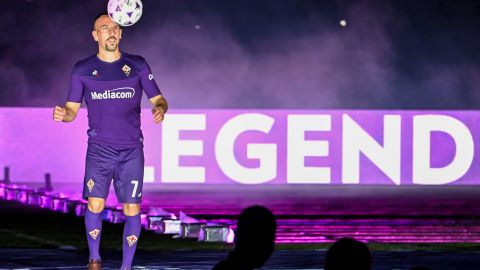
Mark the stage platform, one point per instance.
(321, 214)
(38, 238)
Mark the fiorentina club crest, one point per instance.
(126, 69)
(94, 234)
(90, 185)
(132, 239)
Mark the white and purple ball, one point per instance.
(125, 12)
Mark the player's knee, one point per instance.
(96, 205)
(131, 209)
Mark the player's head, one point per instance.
(106, 32)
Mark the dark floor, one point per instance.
(321, 214)
(199, 260)
(34, 238)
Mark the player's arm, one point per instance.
(160, 107)
(74, 100)
(67, 113)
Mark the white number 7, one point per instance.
(135, 182)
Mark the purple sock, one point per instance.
(93, 225)
(131, 233)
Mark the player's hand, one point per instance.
(158, 114)
(59, 113)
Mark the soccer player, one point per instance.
(111, 83)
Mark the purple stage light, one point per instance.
(17, 193)
(81, 209)
(154, 223)
(155, 217)
(59, 204)
(22, 195)
(113, 215)
(2, 191)
(106, 214)
(214, 233)
(230, 236)
(372, 225)
(170, 226)
(11, 192)
(144, 220)
(118, 216)
(46, 201)
(34, 199)
(165, 225)
(191, 230)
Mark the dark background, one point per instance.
(403, 54)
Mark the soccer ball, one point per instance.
(125, 12)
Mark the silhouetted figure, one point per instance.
(254, 240)
(348, 254)
(48, 183)
(6, 175)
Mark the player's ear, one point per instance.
(95, 35)
(120, 34)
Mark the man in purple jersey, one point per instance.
(111, 83)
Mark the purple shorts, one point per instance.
(123, 165)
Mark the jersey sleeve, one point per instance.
(148, 83)
(75, 94)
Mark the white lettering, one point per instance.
(298, 149)
(173, 148)
(423, 126)
(118, 93)
(356, 140)
(265, 153)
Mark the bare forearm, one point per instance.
(162, 103)
(69, 116)
(67, 113)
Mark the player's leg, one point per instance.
(131, 233)
(128, 183)
(99, 168)
(93, 226)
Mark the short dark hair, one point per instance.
(255, 224)
(255, 236)
(98, 16)
(348, 253)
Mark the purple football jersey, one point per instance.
(113, 92)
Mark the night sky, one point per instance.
(258, 54)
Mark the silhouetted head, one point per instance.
(255, 235)
(348, 254)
